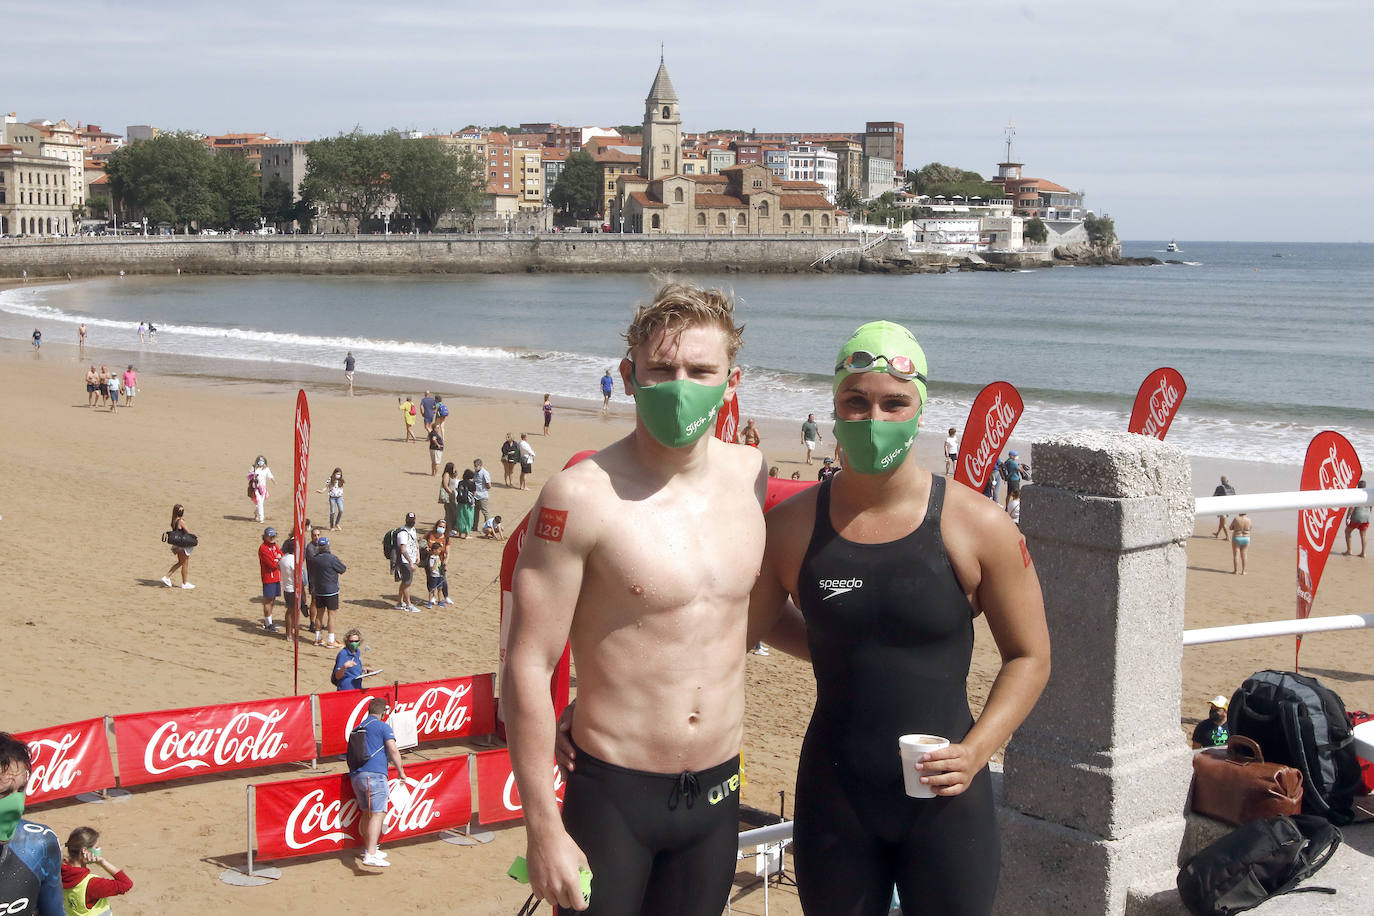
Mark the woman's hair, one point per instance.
(353, 631)
(81, 838)
(546, 396)
(468, 474)
(261, 459)
(450, 470)
(177, 512)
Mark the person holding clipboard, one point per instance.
(348, 664)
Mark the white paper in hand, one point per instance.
(399, 796)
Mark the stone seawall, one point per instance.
(607, 253)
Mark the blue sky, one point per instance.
(1196, 120)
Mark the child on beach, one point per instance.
(81, 890)
(491, 528)
(434, 555)
(258, 476)
(333, 488)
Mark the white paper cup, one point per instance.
(912, 748)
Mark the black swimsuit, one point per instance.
(891, 637)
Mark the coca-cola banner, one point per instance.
(1156, 403)
(1331, 464)
(497, 797)
(317, 814)
(68, 760)
(156, 746)
(453, 708)
(727, 421)
(990, 422)
(341, 710)
(780, 489)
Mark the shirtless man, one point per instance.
(627, 557)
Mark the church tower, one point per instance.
(662, 141)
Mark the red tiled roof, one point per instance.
(799, 185)
(802, 202)
(1041, 184)
(644, 200)
(718, 200)
(614, 156)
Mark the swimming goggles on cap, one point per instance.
(896, 366)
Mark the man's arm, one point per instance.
(547, 582)
(394, 755)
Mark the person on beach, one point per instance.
(828, 469)
(796, 475)
(37, 339)
(440, 414)
(466, 492)
(152, 333)
(1357, 521)
(269, 567)
(810, 435)
(102, 381)
(607, 389)
(405, 559)
(182, 554)
(130, 385)
(1014, 508)
(1010, 471)
(81, 336)
(349, 365)
(448, 496)
(481, 492)
(526, 460)
(324, 569)
(408, 411)
(30, 855)
(369, 780)
(433, 556)
(334, 489)
(427, 409)
(1213, 731)
(773, 471)
(1223, 489)
(112, 383)
(510, 457)
(258, 476)
(889, 565)
(436, 449)
(1240, 542)
(628, 557)
(491, 529)
(92, 386)
(142, 331)
(286, 566)
(348, 664)
(548, 415)
(951, 451)
(750, 434)
(82, 891)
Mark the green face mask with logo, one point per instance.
(876, 446)
(678, 413)
(11, 810)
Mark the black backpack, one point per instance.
(357, 755)
(389, 544)
(1298, 722)
(1263, 859)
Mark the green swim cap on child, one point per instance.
(882, 338)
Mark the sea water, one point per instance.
(1273, 340)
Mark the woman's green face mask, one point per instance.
(680, 412)
(876, 446)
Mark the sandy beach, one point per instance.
(93, 631)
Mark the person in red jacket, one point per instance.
(269, 563)
(83, 892)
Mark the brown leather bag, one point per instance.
(1236, 786)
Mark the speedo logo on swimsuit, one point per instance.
(839, 586)
(717, 794)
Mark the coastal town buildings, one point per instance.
(813, 162)
(35, 193)
(285, 161)
(886, 140)
(52, 140)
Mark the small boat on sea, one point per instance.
(1172, 246)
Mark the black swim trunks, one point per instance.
(657, 844)
(891, 636)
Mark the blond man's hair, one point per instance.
(679, 306)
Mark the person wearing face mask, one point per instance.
(85, 893)
(889, 566)
(30, 854)
(348, 664)
(627, 557)
(1213, 730)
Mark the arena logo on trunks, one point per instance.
(839, 586)
(717, 794)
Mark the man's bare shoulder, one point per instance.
(584, 484)
(744, 459)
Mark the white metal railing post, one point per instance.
(1208, 635)
(249, 793)
(1274, 502)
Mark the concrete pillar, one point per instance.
(1097, 777)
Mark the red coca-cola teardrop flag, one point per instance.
(1331, 464)
(990, 422)
(302, 426)
(1156, 403)
(727, 420)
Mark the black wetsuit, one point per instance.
(656, 844)
(891, 636)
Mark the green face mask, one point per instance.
(11, 810)
(678, 413)
(354, 645)
(876, 446)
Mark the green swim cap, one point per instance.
(886, 339)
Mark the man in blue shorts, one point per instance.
(607, 387)
(369, 780)
(427, 410)
(30, 856)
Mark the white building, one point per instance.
(809, 162)
(52, 141)
(880, 176)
